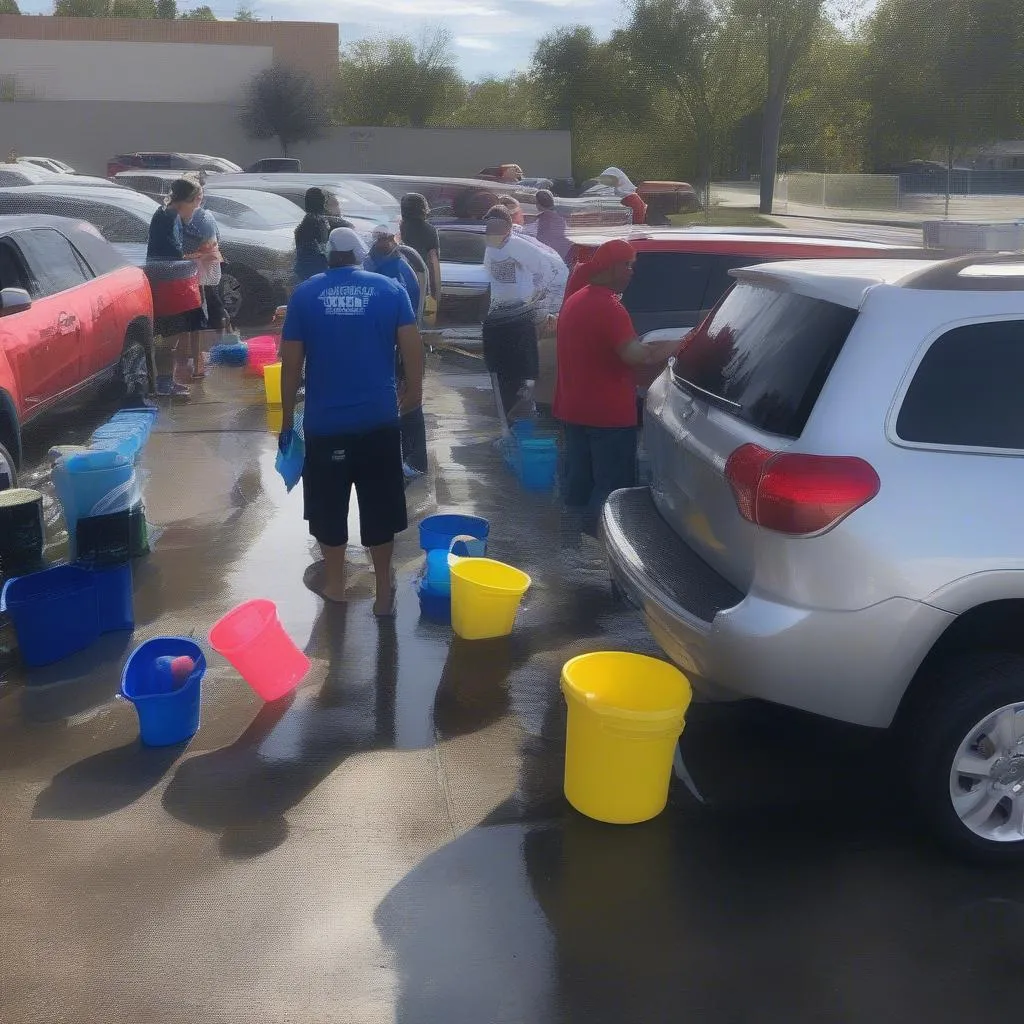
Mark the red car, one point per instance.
(72, 314)
(681, 273)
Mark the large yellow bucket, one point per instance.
(626, 712)
(485, 597)
(272, 383)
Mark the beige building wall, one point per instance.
(86, 134)
(148, 72)
(311, 46)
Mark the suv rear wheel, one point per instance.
(967, 756)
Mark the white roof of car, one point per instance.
(847, 282)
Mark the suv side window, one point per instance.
(967, 389)
(667, 281)
(53, 261)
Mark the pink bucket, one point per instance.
(252, 638)
(260, 352)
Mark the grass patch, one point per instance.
(723, 217)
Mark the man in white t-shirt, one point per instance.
(527, 284)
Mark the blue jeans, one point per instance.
(598, 460)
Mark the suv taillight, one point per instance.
(798, 494)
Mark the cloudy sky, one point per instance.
(491, 36)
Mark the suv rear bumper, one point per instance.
(849, 665)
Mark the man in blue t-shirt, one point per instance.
(344, 326)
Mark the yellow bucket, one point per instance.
(485, 597)
(272, 383)
(626, 712)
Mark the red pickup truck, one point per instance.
(73, 314)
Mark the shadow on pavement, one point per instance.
(105, 782)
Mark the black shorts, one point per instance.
(215, 315)
(372, 463)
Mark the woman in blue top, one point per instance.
(166, 245)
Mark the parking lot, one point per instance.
(391, 844)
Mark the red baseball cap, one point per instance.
(618, 250)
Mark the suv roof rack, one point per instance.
(950, 276)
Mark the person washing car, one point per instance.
(386, 258)
(595, 390)
(615, 178)
(526, 289)
(343, 327)
(549, 227)
(417, 232)
(202, 236)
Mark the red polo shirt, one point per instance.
(594, 387)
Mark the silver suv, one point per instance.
(836, 518)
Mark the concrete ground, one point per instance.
(391, 844)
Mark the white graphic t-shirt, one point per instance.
(524, 277)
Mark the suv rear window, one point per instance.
(765, 355)
(966, 392)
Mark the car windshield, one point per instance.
(251, 210)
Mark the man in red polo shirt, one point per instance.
(595, 390)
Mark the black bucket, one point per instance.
(112, 539)
(21, 531)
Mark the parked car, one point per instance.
(170, 162)
(259, 269)
(468, 199)
(681, 274)
(832, 521)
(663, 198)
(72, 312)
(30, 174)
(357, 199)
(48, 163)
(275, 165)
(465, 285)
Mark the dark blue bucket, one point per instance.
(54, 613)
(115, 603)
(439, 532)
(434, 605)
(167, 714)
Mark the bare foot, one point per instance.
(334, 594)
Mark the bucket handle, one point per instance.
(651, 721)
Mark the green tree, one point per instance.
(246, 12)
(394, 80)
(943, 76)
(105, 8)
(783, 31)
(498, 103)
(167, 9)
(9, 7)
(284, 104)
(198, 14)
(703, 58)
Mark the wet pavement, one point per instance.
(390, 844)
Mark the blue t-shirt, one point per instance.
(348, 320)
(202, 228)
(395, 267)
(165, 236)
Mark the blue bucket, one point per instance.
(539, 463)
(124, 440)
(440, 531)
(90, 477)
(115, 604)
(524, 428)
(433, 604)
(167, 714)
(54, 613)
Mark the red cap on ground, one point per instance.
(618, 250)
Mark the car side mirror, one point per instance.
(14, 300)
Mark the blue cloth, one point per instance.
(347, 320)
(166, 239)
(395, 267)
(202, 228)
